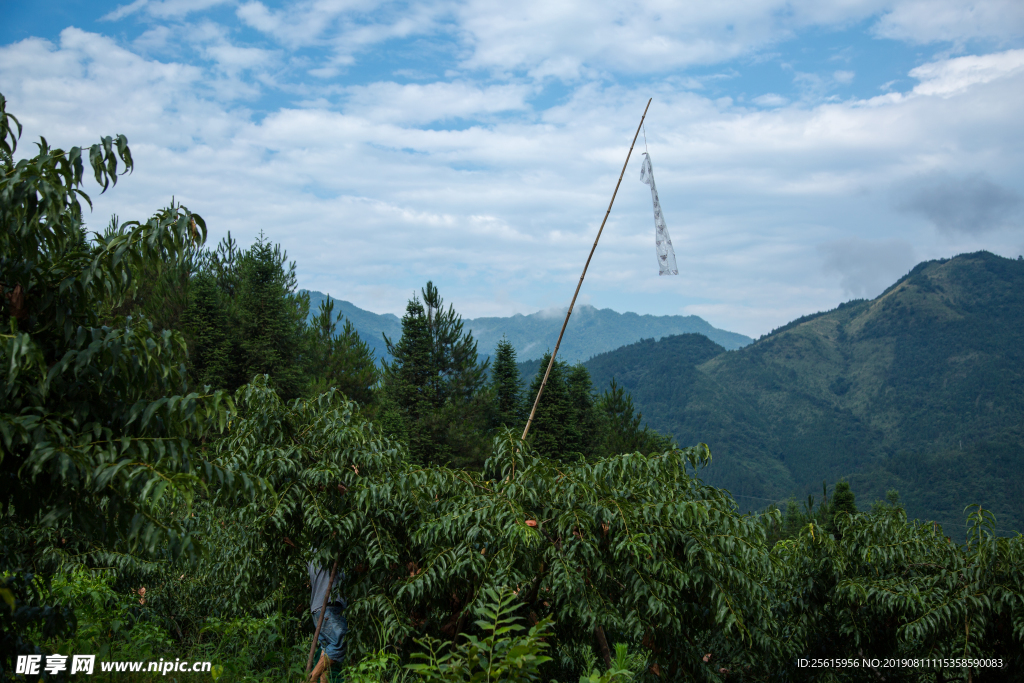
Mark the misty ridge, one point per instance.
(590, 331)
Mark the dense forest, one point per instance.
(178, 442)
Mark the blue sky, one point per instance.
(805, 152)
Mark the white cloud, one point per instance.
(770, 100)
(557, 38)
(499, 199)
(570, 39)
(926, 21)
(123, 11)
(163, 9)
(420, 104)
(313, 22)
(949, 76)
(234, 58)
(561, 38)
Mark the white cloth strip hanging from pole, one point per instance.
(662, 242)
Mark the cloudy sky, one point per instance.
(806, 151)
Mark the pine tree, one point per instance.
(408, 380)
(271, 318)
(793, 520)
(843, 503)
(457, 371)
(507, 386)
(223, 265)
(552, 430)
(582, 436)
(621, 428)
(343, 361)
(207, 324)
(435, 383)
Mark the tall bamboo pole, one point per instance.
(568, 313)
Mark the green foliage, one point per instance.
(94, 435)
(622, 429)
(376, 667)
(571, 422)
(501, 653)
(897, 589)
(314, 455)
(271, 318)
(457, 373)
(408, 379)
(507, 386)
(634, 543)
(240, 316)
(827, 514)
(96, 421)
(27, 617)
(584, 417)
(555, 431)
(342, 361)
(119, 625)
(208, 323)
(843, 503)
(434, 385)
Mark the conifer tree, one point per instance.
(207, 324)
(343, 361)
(457, 373)
(843, 503)
(507, 386)
(271, 318)
(793, 520)
(409, 378)
(622, 428)
(552, 431)
(223, 265)
(583, 435)
(434, 383)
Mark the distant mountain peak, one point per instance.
(591, 330)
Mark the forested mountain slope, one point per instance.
(920, 389)
(590, 331)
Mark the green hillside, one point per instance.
(920, 390)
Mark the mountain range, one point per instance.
(920, 390)
(590, 331)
